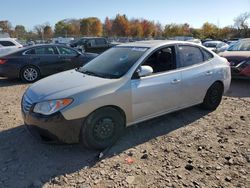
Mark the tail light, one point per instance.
(2, 61)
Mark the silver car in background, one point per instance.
(125, 85)
(216, 46)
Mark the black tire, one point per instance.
(30, 74)
(102, 128)
(213, 96)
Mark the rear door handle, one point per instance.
(208, 73)
(175, 81)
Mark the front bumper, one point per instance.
(53, 128)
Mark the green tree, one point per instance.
(61, 28)
(20, 32)
(209, 30)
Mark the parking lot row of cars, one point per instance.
(30, 63)
(96, 96)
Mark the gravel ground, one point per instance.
(189, 148)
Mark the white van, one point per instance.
(8, 45)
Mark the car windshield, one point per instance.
(113, 63)
(240, 46)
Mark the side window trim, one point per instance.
(55, 52)
(190, 45)
(25, 52)
(59, 53)
(203, 51)
(151, 53)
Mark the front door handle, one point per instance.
(208, 73)
(175, 81)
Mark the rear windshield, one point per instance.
(210, 45)
(240, 46)
(115, 62)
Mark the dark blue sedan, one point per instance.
(32, 63)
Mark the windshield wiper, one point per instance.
(102, 75)
(90, 73)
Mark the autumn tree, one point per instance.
(121, 26)
(107, 27)
(158, 30)
(148, 28)
(136, 28)
(5, 26)
(91, 26)
(47, 32)
(172, 30)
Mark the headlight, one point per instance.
(50, 107)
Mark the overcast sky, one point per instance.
(194, 12)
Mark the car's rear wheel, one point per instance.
(102, 128)
(30, 74)
(213, 96)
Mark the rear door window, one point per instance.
(190, 55)
(66, 51)
(207, 55)
(100, 41)
(7, 43)
(45, 51)
(41, 51)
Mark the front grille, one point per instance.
(26, 104)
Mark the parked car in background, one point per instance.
(238, 55)
(126, 84)
(216, 46)
(62, 40)
(197, 41)
(8, 45)
(92, 44)
(32, 63)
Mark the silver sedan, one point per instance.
(125, 85)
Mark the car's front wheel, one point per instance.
(213, 96)
(102, 128)
(30, 74)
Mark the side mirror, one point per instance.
(144, 70)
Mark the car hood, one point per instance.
(65, 84)
(235, 57)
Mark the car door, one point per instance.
(101, 45)
(90, 46)
(155, 94)
(196, 73)
(69, 58)
(7, 46)
(45, 57)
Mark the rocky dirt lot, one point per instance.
(189, 148)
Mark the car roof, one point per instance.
(213, 41)
(44, 45)
(7, 39)
(154, 43)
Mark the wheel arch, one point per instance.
(220, 82)
(119, 109)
